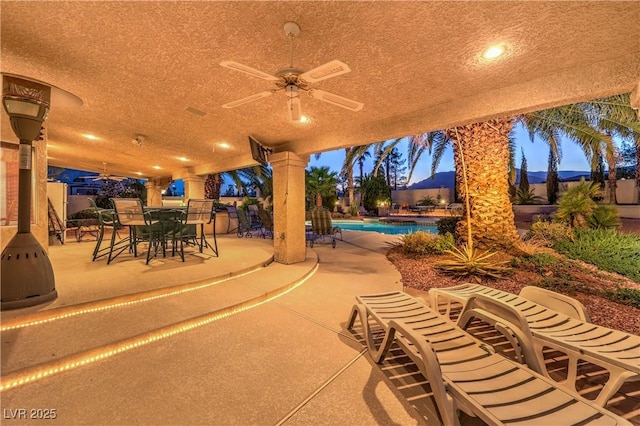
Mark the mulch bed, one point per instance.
(419, 273)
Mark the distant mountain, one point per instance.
(446, 179)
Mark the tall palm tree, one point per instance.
(321, 182)
(361, 155)
(574, 121)
(353, 155)
(491, 214)
(257, 176)
(615, 118)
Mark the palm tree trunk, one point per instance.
(613, 183)
(212, 186)
(636, 139)
(486, 151)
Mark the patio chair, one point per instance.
(535, 327)
(267, 222)
(130, 212)
(232, 212)
(105, 221)
(199, 212)
(321, 226)
(464, 373)
(246, 227)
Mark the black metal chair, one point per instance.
(266, 220)
(232, 213)
(142, 228)
(105, 220)
(199, 212)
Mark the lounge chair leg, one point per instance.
(377, 354)
(430, 368)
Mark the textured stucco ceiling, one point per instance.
(416, 66)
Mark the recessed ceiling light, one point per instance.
(138, 173)
(224, 145)
(157, 167)
(90, 136)
(183, 159)
(494, 51)
(304, 119)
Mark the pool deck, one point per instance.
(235, 339)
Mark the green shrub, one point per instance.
(527, 197)
(427, 201)
(604, 216)
(447, 225)
(548, 233)
(577, 203)
(627, 296)
(609, 250)
(422, 243)
(542, 260)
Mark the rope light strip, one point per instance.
(33, 374)
(116, 302)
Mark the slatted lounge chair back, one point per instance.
(464, 374)
(321, 226)
(556, 301)
(321, 222)
(536, 326)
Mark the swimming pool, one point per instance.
(386, 228)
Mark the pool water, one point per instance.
(386, 228)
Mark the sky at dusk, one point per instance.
(537, 155)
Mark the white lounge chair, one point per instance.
(465, 374)
(532, 326)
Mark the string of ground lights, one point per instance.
(31, 375)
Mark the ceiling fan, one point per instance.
(104, 175)
(293, 81)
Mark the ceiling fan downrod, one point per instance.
(291, 29)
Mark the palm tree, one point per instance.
(321, 182)
(491, 216)
(257, 176)
(615, 118)
(354, 155)
(577, 122)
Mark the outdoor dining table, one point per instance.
(170, 219)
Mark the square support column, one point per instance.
(288, 207)
(193, 187)
(154, 193)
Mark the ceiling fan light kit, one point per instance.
(293, 80)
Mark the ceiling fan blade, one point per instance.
(248, 99)
(295, 108)
(248, 70)
(323, 72)
(337, 100)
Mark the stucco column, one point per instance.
(154, 193)
(288, 207)
(193, 187)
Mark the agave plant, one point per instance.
(470, 262)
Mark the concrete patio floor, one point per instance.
(142, 359)
(210, 341)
